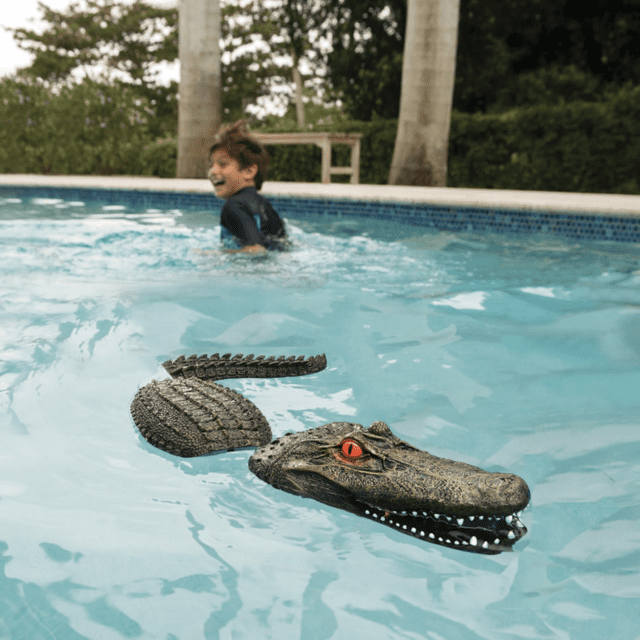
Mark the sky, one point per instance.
(16, 13)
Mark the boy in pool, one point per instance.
(238, 168)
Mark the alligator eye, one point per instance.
(351, 449)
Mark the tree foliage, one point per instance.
(101, 38)
(498, 40)
(85, 128)
(365, 61)
(107, 41)
(265, 44)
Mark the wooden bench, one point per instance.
(324, 141)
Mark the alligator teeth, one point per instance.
(508, 519)
(485, 545)
(460, 521)
(473, 541)
(511, 535)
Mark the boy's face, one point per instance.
(226, 175)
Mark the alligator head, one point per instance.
(368, 472)
(374, 474)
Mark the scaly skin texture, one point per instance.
(374, 474)
(226, 367)
(368, 472)
(190, 417)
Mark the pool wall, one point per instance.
(569, 215)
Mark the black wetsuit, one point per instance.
(247, 219)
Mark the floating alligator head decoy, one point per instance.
(369, 472)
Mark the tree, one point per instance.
(107, 41)
(428, 74)
(365, 57)
(267, 44)
(199, 105)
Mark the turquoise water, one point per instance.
(513, 354)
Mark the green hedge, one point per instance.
(100, 129)
(577, 146)
(85, 129)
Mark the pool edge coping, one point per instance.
(561, 202)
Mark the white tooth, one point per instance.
(465, 543)
(414, 513)
(485, 545)
(448, 518)
(511, 535)
(448, 541)
(460, 521)
(474, 541)
(382, 519)
(375, 515)
(397, 524)
(519, 514)
(508, 519)
(480, 517)
(413, 529)
(432, 536)
(455, 542)
(440, 540)
(424, 513)
(390, 521)
(436, 515)
(422, 533)
(472, 518)
(496, 541)
(404, 513)
(404, 526)
(367, 512)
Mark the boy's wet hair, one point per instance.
(236, 140)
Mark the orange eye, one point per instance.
(351, 449)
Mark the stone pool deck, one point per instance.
(567, 203)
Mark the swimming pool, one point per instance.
(512, 354)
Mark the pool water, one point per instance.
(514, 354)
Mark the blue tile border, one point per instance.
(571, 225)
